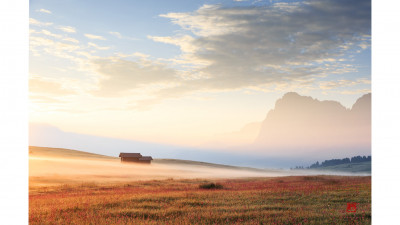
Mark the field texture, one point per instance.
(282, 200)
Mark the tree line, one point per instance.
(334, 162)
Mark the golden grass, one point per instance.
(282, 200)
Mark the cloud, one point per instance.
(116, 34)
(91, 36)
(71, 40)
(97, 47)
(283, 42)
(120, 36)
(263, 48)
(44, 99)
(327, 85)
(356, 92)
(53, 46)
(40, 85)
(38, 23)
(120, 76)
(44, 11)
(41, 45)
(67, 29)
(48, 33)
(277, 47)
(184, 42)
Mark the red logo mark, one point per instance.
(351, 207)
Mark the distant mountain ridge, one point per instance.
(301, 125)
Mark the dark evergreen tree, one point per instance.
(334, 162)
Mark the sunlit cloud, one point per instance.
(96, 37)
(67, 29)
(326, 85)
(48, 33)
(356, 92)
(184, 42)
(71, 40)
(116, 34)
(97, 47)
(279, 47)
(123, 75)
(120, 36)
(38, 23)
(41, 45)
(44, 11)
(257, 46)
(48, 86)
(44, 99)
(245, 48)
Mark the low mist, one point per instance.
(45, 171)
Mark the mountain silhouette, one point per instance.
(300, 125)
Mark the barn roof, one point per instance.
(146, 158)
(135, 155)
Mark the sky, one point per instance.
(185, 72)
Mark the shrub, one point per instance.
(211, 186)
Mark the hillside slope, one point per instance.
(35, 151)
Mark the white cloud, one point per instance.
(44, 11)
(116, 34)
(91, 36)
(184, 42)
(135, 55)
(120, 76)
(67, 29)
(97, 47)
(38, 23)
(326, 85)
(120, 36)
(32, 31)
(40, 41)
(55, 48)
(356, 92)
(41, 85)
(48, 33)
(71, 40)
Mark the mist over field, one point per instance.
(49, 166)
(55, 170)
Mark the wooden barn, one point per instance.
(135, 158)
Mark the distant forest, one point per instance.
(334, 162)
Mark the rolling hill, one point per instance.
(65, 153)
(69, 153)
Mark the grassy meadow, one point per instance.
(279, 200)
(75, 187)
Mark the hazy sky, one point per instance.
(183, 72)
